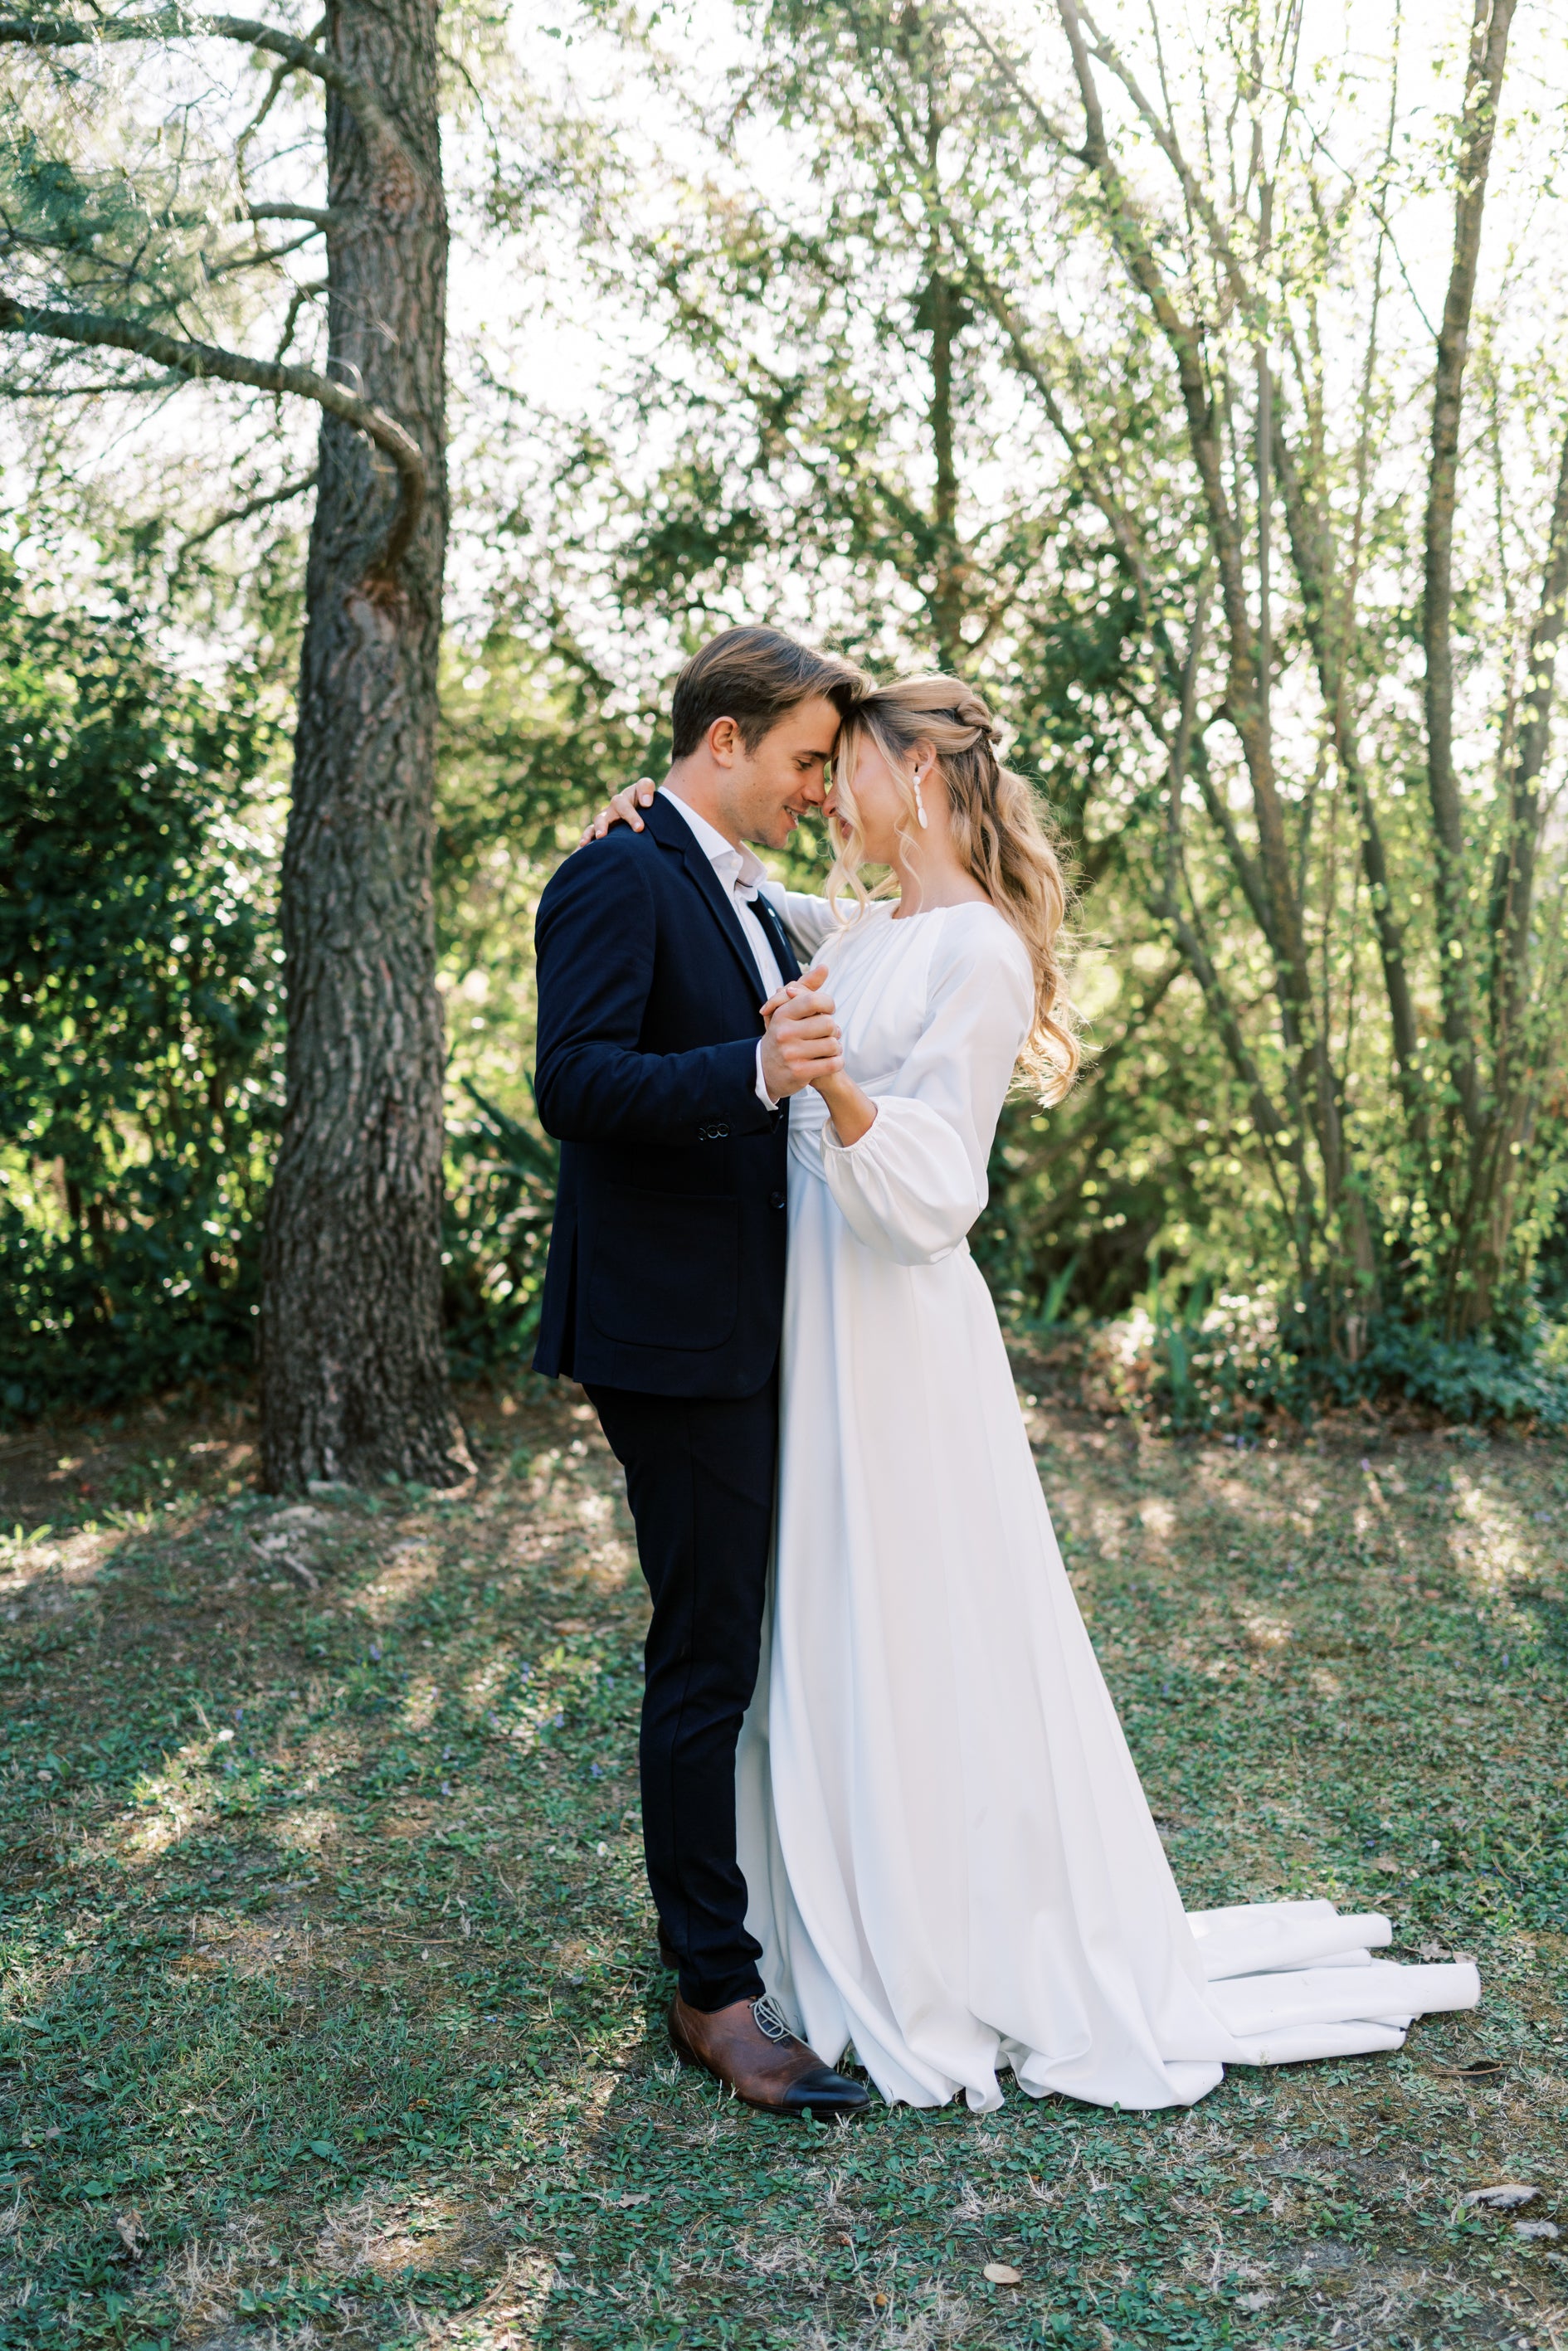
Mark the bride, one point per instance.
(949, 1858)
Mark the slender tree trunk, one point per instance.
(951, 594)
(950, 591)
(1314, 1094)
(1313, 554)
(1514, 891)
(1483, 83)
(1501, 1155)
(353, 1367)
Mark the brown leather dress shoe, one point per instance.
(748, 2047)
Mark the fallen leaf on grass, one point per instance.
(1537, 2229)
(1000, 2273)
(129, 2226)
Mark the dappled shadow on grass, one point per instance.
(330, 1998)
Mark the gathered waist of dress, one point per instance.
(808, 1116)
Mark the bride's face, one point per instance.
(880, 798)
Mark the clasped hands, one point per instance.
(804, 1047)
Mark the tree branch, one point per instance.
(259, 255)
(94, 331)
(321, 216)
(83, 391)
(179, 23)
(1197, 199)
(242, 514)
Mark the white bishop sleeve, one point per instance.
(915, 1183)
(809, 922)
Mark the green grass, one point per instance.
(331, 2008)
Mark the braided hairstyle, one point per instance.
(998, 831)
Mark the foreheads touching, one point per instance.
(754, 721)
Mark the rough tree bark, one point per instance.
(353, 1368)
(353, 1375)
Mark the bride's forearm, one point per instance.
(853, 1111)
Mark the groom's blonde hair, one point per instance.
(999, 829)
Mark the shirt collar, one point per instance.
(731, 864)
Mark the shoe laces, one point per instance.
(770, 2019)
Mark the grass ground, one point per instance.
(330, 2010)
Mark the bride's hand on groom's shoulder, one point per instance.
(622, 810)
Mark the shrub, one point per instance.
(1204, 1366)
(500, 1192)
(1228, 1366)
(138, 1013)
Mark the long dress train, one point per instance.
(950, 1860)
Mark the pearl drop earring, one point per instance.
(919, 803)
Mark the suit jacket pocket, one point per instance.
(663, 1268)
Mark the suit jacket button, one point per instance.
(776, 1199)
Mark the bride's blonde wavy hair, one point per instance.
(998, 831)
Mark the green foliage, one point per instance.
(144, 238)
(138, 1010)
(528, 748)
(1232, 1362)
(1319, 1083)
(501, 1179)
(903, 394)
(1464, 1379)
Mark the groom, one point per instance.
(665, 1289)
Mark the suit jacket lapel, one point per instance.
(670, 829)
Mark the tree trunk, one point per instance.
(1328, 634)
(1518, 1047)
(354, 1365)
(949, 594)
(1314, 1094)
(1483, 83)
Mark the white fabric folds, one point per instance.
(950, 1861)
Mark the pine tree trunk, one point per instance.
(353, 1367)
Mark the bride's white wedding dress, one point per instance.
(950, 1859)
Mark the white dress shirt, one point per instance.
(740, 877)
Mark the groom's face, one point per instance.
(766, 792)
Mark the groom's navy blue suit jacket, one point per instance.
(666, 1260)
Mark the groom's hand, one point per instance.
(802, 1044)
